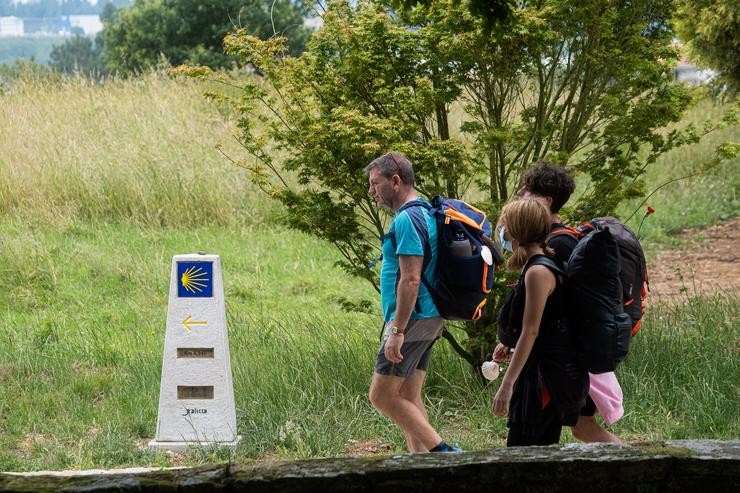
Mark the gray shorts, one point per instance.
(419, 337)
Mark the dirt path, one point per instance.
(712, 265)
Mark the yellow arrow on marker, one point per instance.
(189, 321)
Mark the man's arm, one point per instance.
(408, 288)
(408, 291)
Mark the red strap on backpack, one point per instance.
(566, 230)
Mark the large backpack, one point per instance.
(632, 266)
(599, 326)
(462, 283)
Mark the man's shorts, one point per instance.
(419, 337)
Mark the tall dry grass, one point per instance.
(139, 150)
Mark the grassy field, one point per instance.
(101, 185)
(139, 151)
(692, 202)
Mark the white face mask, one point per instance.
(506, 244)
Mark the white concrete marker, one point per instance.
(196, 396)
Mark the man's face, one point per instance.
(382, 189)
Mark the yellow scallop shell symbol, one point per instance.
(194, 279)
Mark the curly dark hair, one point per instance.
(547, 180)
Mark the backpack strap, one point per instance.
(391, 234)
(547, 262)
(565, 230)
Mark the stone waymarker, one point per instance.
(196, 396)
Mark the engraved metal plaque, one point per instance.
(189, 392)
(195, 352)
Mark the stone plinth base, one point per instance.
(184, 446)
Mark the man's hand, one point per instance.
(392, 348)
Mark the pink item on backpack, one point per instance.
(606, 393)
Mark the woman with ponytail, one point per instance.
(544, 388)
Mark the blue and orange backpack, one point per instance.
(462, 283)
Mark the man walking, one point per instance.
(412, 322)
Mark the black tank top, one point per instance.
(512, 310)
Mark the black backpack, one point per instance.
(632, 266)
(511, 313)
(599, 327)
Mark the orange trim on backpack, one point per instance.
(485, 216)
(456, 216)
(478, 311)
(567, 230)
(485, 276)
(636, 328)
(629, 302)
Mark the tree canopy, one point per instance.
(192, 31)
(712, 30)
(79, 54)
(472, 104)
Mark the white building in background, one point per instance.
(57, 26)
(11, 26)
(90, 24)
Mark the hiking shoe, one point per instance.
(454, 449)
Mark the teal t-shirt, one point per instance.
(408, 242)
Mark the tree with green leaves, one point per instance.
(79, 55)
(471, 104)
(712, 30)
(192, 31)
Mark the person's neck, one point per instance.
(555, 218)
(533, 250)
(404, 199)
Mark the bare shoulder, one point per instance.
(539, 275)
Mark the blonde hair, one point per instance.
(528, 222)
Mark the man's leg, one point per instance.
(387, 396)
(411, 391)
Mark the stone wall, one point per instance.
(683, 466)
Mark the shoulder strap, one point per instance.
(415, 203)
(420, 227)
(547, 262)
(419, 222)
(565, 230)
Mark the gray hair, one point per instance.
(393, 163)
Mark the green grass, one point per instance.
(101, 185)
(85, 314)
(692, 202)
(81, 353)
